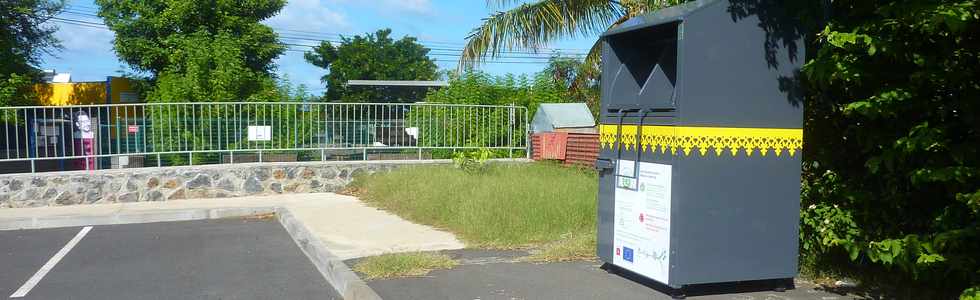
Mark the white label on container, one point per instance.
(626, 174)
(641, 229)
(259, 133)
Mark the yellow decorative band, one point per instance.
(669, 139)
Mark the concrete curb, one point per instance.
(134, 217)
(332, 268)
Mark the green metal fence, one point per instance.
(160, 133)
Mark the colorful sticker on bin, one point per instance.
(628, 254)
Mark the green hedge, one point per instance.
(892, 132)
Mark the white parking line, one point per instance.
(26, 288)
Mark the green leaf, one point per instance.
(853, 252)
(885, 258)
(930, 258)
(971, 200)
(860, 106)
(972, 293)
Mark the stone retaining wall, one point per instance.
(171, 183)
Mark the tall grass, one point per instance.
(507, 206)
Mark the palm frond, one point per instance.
(500, 4)
(591, 65)
(529, 26)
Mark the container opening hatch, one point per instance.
(648, 71)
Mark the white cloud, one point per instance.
(309, 15)
(86, 51)
(84, 39)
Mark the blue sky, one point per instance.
(443, 24)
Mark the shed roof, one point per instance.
(565, 115)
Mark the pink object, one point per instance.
(85, 147)
(84, 141)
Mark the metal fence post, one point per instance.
(510, 130)
(527, 137)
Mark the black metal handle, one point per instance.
(603, 164)
(639, 142)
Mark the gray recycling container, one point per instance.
(701, 140)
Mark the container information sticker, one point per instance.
(641, 231)
(626, 174)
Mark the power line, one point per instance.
(289, 37)
(527, 59)
(304, 51)
(335, 37)
(439, 48)
(456, 54)
(454, 61)
(81, 24)
(100, 25)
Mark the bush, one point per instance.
(473, 161)
(15, 89)
(893, 156)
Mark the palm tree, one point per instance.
(529, 26)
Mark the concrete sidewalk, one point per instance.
(343, 224)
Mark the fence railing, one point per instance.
(158, 134)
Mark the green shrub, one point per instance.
(472, 161)
(892, 170)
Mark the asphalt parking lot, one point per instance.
(210, 259)
(500, 275)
